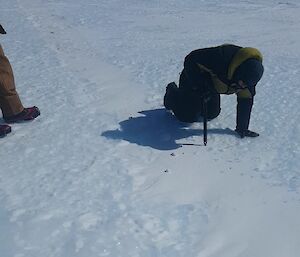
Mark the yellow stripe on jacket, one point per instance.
(241, 56)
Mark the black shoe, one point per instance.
(170, 96)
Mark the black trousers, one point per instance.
(194, 86)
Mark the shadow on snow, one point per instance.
(158, 129)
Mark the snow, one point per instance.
(106, 171)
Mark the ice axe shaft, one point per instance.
(205, 120)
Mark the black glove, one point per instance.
(246, 133)
(2, 31)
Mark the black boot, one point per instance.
(170, 96)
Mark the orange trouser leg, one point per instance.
(10, 103)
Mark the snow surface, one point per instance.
(106, 171)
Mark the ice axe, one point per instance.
(205, 99)
(204, 113)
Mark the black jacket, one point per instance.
(219, 65)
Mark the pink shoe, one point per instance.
(26, 115)
(4, 130)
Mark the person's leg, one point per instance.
(187, 105)
(213, 106)
(183, 101)
(184, 82)
(10, 103)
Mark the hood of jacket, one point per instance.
(242, 56)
